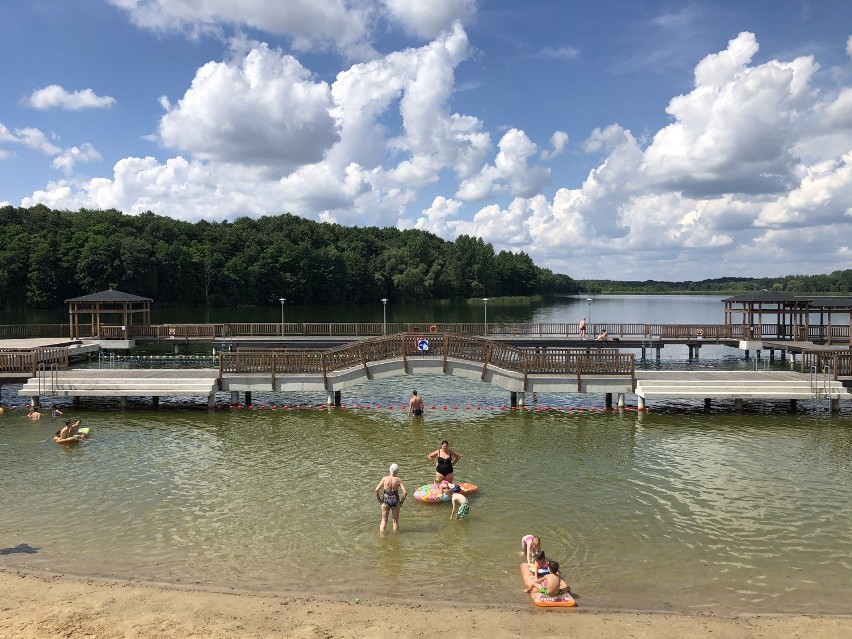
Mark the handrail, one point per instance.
(224, 330)
(441, 346)
(28, 360)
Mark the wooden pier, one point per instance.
(602, 370)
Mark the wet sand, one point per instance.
(36, 605)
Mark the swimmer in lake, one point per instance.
(415, 406)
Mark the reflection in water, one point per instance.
(678, 509)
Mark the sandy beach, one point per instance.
(45, 605)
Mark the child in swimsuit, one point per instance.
(539, 565)
(548, 584)
(529, 545)
(461, 507)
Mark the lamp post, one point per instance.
(282, 300)
(590, 300)
(384, 316)
(485, 310)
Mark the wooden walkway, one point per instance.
(567, 371)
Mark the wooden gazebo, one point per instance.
(122, 309)
(768, 314)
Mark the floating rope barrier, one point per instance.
(368, 407)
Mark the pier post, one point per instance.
(34, 401)
(608, 400)
(793, 405)
(123, 401)
(337, 398)
(248, 398)
(783, 355)
(835, 404)
(640, 402)
(658, 353)
(155, 401)
(621, 400)
(738, 404)
(521, 399)
(513, 399)
(696, 348)
(75, 401)
(771, 354)
(211, 401)
(329, 399)
(643, 352)
(706, 403)
(235, 397)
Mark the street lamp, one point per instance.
(282, 300)
(590, 300)
(384, 316)
(485, 309)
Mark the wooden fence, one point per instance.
(567, 362)
(839, 363)
(28, 361)
(711, 332)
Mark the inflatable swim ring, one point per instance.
(431, 493)
(546, 601)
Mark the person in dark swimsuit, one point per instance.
(389, 499)
(415, 406)
(444, 459)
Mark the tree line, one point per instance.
(48, 256)
(834, 283)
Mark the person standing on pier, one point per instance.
(583, 328)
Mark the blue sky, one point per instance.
(623, 140)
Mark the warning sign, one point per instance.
(423, 345)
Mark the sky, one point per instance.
(624, 140)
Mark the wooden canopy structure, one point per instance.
(122, 309)
(769, 314)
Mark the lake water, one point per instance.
(675, 509)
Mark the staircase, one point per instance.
(737, 385)
(123, 383)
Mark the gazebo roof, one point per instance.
(766, 296)
(831, 302)
(110, 295)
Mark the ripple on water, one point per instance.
(691, 511)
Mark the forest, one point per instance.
(838, 283)
(48, 256)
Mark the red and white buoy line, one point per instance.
(404, 408)
(444, 408)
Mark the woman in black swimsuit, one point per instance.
(444, 458)
(390, 500)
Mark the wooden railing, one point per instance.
(831, 334)
(568, 362)
(842, 365)
(28, 331)
(27, 361)
(839, 363)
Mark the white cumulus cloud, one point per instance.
(69, 158)
(261, 109)
(429, 19)
(55, 96)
